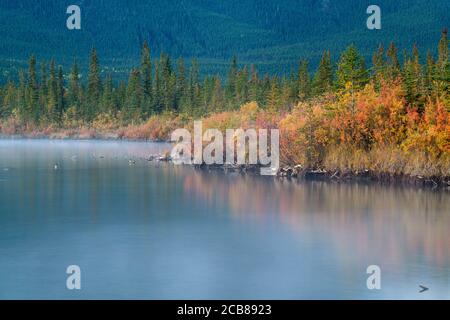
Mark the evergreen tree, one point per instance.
(147, 79)
(230, 88)
(429, 74)
(8, 100)
(168, 83)
(21, 97)
(60, 103)
(94, 86)
(157, 98)
(43, 90)
(351, 70)
(304, 81)
(413, 80)
(241, 94)
(442, 68)
(120, 95)
(379, 66)
(52, 99)
(181, 85)
(33, 92)
(323, 79)
(74, 90)
(217, 103)
(273, 97)
(265, 90)
(393, 66)
(134, 96)
(254, 90)
(107, 97)
(194, 89)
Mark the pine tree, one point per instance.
(120, 95)
(73, 95)
(60, 103)
(181, 86)
(94, 86)
(442, 69)
(22, 97)
(393, 67)
(323, 80)
(8, 100)
(134, 96)
(43, 89)
(194, 89)
(304, 81)
(273, 97)
(52, 99)
(265, 90)
(254, 90)
(230, 88)
(33, 92)
(147, 79)
(429, 74)
(351, 72)
(107, 97)
(241, 94)
(413, 80)
(379, 66)
(217, 96)
(157, 98)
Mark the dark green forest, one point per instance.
(45, 93)
(273, 35)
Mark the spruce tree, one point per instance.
(107, 96)
(351, 70)
(217, 102)
(147, 79)
(134, 96)
(304, 81)
(393, 67)
(33, 92)
(273, 97)
(230, 88)
(254, 90)
(52, 99)
(323, 79)
(43, 89)
(442, 69)
(429, 74)
(60, 104)
(73, 95)
(181, 86)
(241, 94)
(94, 86)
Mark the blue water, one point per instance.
(149, 230)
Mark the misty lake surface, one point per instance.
(148, 230)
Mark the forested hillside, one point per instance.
(272, 34)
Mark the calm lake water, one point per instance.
(149, 230)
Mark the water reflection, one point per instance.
(174, 232)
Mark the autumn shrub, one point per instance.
(157, 128)
(304, 135)
(105, 122)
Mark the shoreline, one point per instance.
(299, 173)
(287, 172)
